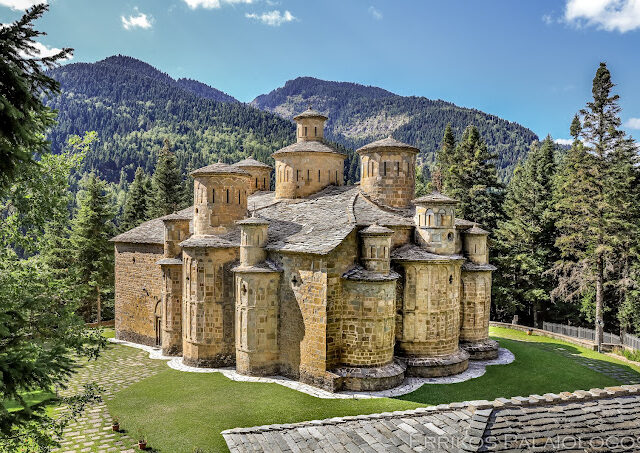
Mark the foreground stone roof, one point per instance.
(390, 143)
(151, 231)
(310, 113)
(413, 252)
(312, 146)
(219, 168)
(435, 197)
(469, 266)
(549, 422)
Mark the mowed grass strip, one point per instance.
(179, 411)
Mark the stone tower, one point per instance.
(257, 305)
(387, 172)
(368, 317)
(476, 296)
(435, 223)
(309, 165)
(219, 197)
(260, 174)
(176, 230)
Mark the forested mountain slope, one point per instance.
(360, 114)
(133, 107)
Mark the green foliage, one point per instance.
(135, 208)
(525, 240)
(24, 119)
(596, 199)
(167, 185)
(361, 114)
(471, 178)
(92, 252)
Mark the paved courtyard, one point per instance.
(116, 369)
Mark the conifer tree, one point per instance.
(525, 240)
(135, 207)
(93, 253)
(445, 154)
(167, 184)
(593, 196)
(472, 179)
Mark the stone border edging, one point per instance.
(410, 384)
(545, 333)
(471, 406)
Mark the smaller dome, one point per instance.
(253, 221)
(435, 198)
(310, 113)
(477, 230)
(250, 162)
(389, 143)
(308, 147)
(376, 230)
(219, 169)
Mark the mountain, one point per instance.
(360, 114)
(133, 107)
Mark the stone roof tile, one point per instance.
(149, 232)
(376, 229)
(469, 266)
(251, 162)
(219, 169)
(360, 273)
(389, 143)
(413, 252)
(435, 198)
(476, 230)
(310, 113)
(312, 146)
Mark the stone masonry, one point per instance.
(339, 287)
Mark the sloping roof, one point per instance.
(175, 216)
(219, 168)
(250, 162)
(469, 266)
(476, 230)
(360, 273)
(310, 113)
(311, 146)
(549, 422)
(376, 229)
(316, 224)
(253, 221)
(436, 198)
(413, 252)
(173, 261)
(149, 232)
(463, 224)
(388, 143)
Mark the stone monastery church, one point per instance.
(341, 287)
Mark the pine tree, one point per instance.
(445, 154)
(93, 253)
(167, 184)
(525, 240)
(594, 200)
(135, 207)
(472, 179)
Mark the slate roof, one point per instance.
(175, 216)
(376, 229)
(360, 273)
(169, 261)
(469, 266)
(219, 168)
(463, 224)
(253, 221)
(149, 232)
(435, 198)
(266, 267)
(316, 224)
(549, 422)
(250, 162)
(311, 146)
(388, 143)
(310, 113)
(476, 230)
(413, 252)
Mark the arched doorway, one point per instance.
(158, 323)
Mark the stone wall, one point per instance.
(429, 310)
(138, 289)
(218, 201)
(401, 236)
(368, 318)
(257, 322)
(435, 229)
(209, 306)
(172, 309)
(388, 176)
(260, 179)
(475, 306)
(299, 175)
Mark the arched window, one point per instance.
(373, 251)
(318, 175)
(264, 183)
(238, 197)
(398, 168)
(256, 183)
(308, 175)
(386, 252)
(315, 131)
(297, 175)
(385, 169)
(213, 195)
(227, 195)
(305, 131)
(336, 177)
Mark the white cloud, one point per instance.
(377, 15)
(141, 20)
(633, 123)
(609, 15)
(20, 4)
(274, 18)
(43, 51)
(213, 4)
(563, 141)
(547, 19)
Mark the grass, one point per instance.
(179, 412)
(30, 398)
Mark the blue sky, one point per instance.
(530, 62)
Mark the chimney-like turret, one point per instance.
(376, 248)
(435, 223)
(253, 237)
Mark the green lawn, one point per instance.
(30, 398)
(178, 411)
